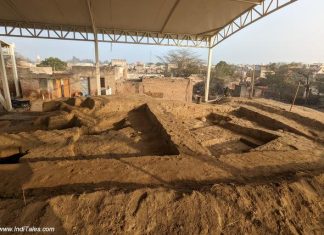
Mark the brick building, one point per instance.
(83, 79)
(43, 82)
(164, 88)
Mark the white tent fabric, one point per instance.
(193, 17)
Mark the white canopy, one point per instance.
(193, 23)
(194, 17)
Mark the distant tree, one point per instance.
(186, 63)
(222, 69)
(272, 66)
(216, 86)
(294, 64)
(319, 84)
(55, 63)
(88, 61)
(221, 75)
(283, 83)
(76, 60)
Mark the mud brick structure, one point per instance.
(165, 88)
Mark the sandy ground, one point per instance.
(135, 165)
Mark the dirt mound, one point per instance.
(136, 165)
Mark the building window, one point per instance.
(102, 83)
(43, 84)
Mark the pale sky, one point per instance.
(292, 34)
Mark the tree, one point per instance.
(221, 75)
(273, 66)
(55, 63)
(185, 63)
(283, 83)
(223, 70)
(319, 84)
(76, 60)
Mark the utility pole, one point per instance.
(295, 97)
(307, 89)
(252, 83)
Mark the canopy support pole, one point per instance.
(97, 65)
(14, 69)
(94, 29)
(210, 55)
(6, 100)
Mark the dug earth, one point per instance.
(138, 165)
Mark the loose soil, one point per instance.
(137, 165)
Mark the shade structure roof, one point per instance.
(171, 19)
(171, 16)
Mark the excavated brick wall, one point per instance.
(164, 88)
(29, 87)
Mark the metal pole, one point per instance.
(307, 89)
(5, 85)
(252, 83)
(95, 35)
(210, 54)
(14, 69)
(97, 65)
(294, 97)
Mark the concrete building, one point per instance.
(169, 67)
(139, 70)
(261, 71)
(241, 91)
(320, 73)
(119, 62)
(83, 79)
(139, 67)
(43, 82)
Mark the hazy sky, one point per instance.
(294, 33)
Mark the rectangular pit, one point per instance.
(221, 136)
(138, 134)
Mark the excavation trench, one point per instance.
(154, 139)
(139, 133)
(223, 136)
